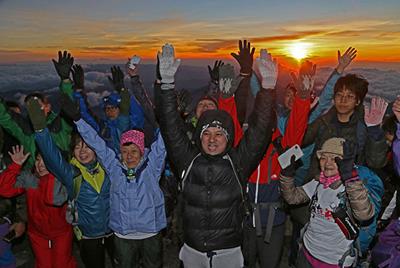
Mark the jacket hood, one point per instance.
(212, 118)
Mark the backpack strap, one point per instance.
(185, 172)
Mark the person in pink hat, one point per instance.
(137, 213)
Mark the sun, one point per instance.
(299, 50)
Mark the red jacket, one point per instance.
(295, 129)
(44, 218)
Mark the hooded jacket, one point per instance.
(45, 198)
(212, 194)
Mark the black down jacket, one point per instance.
(212, 194)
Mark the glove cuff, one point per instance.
(167, 80)
(167, 86)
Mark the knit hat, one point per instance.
(134, 136)
(219, 119)
(210, 98)
(333, 146)
(113, 100)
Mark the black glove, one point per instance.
(184, 100)
(117, 79)
(290, 170)
(78, 76)
(64, 64)
(214, 72)
(69, 107)
(245, 58)
(228, 83)
(125, 101)
(346, 165)
(36, 114)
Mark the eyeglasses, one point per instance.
(344, 97)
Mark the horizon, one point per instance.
(111, 31)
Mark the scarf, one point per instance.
(327, 181)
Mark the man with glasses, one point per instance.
(349, 119)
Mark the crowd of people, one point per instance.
(223, 178)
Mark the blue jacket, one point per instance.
(93, 207)
(111, 130)
(136, 205)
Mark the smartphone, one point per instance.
(134, 61)
(9, 236)
(284, 159)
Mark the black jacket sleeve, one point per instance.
(257, 138)
(179, 148)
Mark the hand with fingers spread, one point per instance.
(244, 58)
(214, 72)
(117, 79)
(396, 108)
(64, 64)
(36, 114)
(17, 155)
(79, 77)
(167, 64)
(304, 83)
(132, 66)
(228, 83)
(267, 68)
(373, 115)
(346, 163)
(345, 59)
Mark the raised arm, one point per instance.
(28, 141)
(179, 147)
(54, 160)
(325, 99)
(245, 60)
(258, 136)
(292, 195)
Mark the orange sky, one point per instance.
(114, 30)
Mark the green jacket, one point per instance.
(60, 132)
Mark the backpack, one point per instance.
(367, 231)
(386, 252)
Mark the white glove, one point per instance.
(267, 68)
(168, 65)
(373, 115)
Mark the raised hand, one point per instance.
(17, 155)
(117, 79)
(228, 84)
(373, 115)
(345, 59)
(346, 164)
(64, 64)
(267, 68)
(167, 64)
(132, 66)
(305, 81)
(36, 114)
(79, 77)
(214, 72)
(244, 57)
(396, 108)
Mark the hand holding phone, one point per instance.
(284, 159)
(11, 235)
